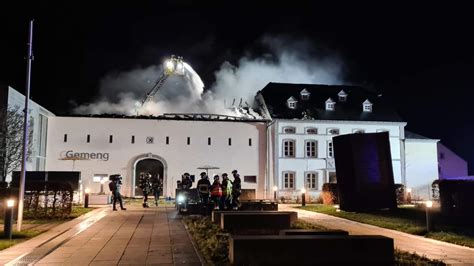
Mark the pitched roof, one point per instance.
(276, 94)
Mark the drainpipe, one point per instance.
(268, 160)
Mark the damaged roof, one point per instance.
(276, 95)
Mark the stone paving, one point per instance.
(433, 249)
(137, 236)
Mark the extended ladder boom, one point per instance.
(151, 93)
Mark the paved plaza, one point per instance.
(137, 236)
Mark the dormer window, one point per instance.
(333, 131)
(342, 96)
(311, 130)
(291, 102)
(289, 130)
(305, 95)
(367, 106)
(330, 105)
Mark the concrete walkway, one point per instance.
(433, 249)
(137, 236)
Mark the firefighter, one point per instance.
(156, 187)
(216, 193)
(236, 190)
(226, 198)
(203, 186)
(145, 186)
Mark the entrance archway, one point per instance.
(153, 166)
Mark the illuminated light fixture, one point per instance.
(169, 65)
(180, 198)
(303, 190)
(275, 188)
(429, 204)
(87, 190)
(409, 190)
(102, 181)
(10, 203)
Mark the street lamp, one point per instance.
(275, 189)
(8, 223)
(303, 197)
(408, 195)
(86, 197)
(428, 204)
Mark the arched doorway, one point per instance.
(152, 166)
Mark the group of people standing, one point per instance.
(150, 184)
(223, 195)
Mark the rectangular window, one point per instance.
(250, 178)
(250, 142)
(208, 141)
(133, 139)
(311, 130)
(167, 140)
(88, 139)
(65, 137)
(288, 180)
(311, 148)
(311, 181)
(189, 141)
(332, 177)
(333, 131)
(111, 139)
(230, 141)
(98, 177)
(289, 148)
(330, 150)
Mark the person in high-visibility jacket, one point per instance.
(216, 193)
(226, 199)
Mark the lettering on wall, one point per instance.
(71, 155)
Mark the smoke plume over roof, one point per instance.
(288, 61)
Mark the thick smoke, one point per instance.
(288, 61)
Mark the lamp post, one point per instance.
(408, 195)
(86, 197)
(303, 197)
(8, 223)
(275, 189)
(428, 204)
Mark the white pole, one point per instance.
(25, 129)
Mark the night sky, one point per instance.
(420, 56)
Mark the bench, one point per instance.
(312, 232)
(310, 250)
(257, 222)
(216, 215)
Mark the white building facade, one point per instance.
(99, 147)
(290, 147)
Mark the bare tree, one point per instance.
(11, 140)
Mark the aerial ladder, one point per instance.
(172, 66)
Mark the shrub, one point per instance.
(212, 241)
(400, 193)
(330, 194)
(48, 200)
